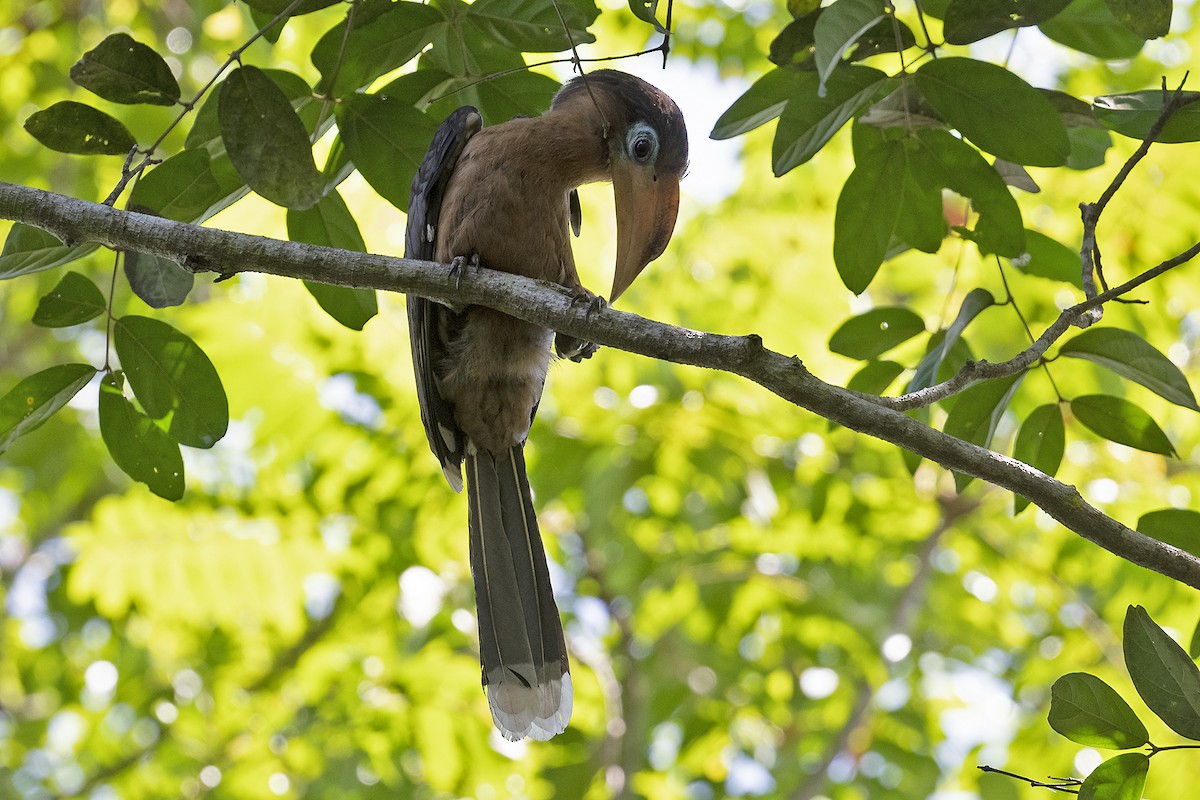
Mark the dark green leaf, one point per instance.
(266, 140)
(1120, 778)
(976, 413)
(877, 331)
(173, 380)
(1088, 147)
(32, 401)
(206, 130)
(1087, 710)
(380, 42)
(927, 371)
(329, 223)
(1149, 19)
(645, 11)
(386, 138)
(996, 110)
(810, 119)
(1121, 421)
(875, 377)
(1194, 647)
(1040, 444)
(74, 300)
(262, 20)
(1134, 114)
(187, 187)
(1132, 357)
(969, 21)
(761, 103)
(126, 71)
(1049, 258)
(889, 35)
(1178, 527)
(28, 249)
(532, 26)
(518, 94)
(1089, 27)
(793, 47)
(959, 166)
(838, 28)
(140, 448)
(159, 282)
(71, 127)
(1166, 678)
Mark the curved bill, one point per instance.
(647, 206)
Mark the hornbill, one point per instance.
(503, 197)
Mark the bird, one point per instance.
(503, 197)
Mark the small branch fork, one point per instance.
(226, 253)
(1080, 315)
(1065, 785)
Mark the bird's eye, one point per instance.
(642, 143)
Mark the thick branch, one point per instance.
(203, 249)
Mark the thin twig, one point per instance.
(1059, 785)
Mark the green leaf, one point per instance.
(140, 448)
(206, 130)
(645, 11)
(71, 127)
(811, 117)
(875, 377)
(532, 26)
(958, 166)
(761, 103)
(888, 198)
(35, 399)
(1149, 19)
(1088, 147)
(1122, 777)
(968, 21)
(274, 7)
(1134, 114)
(385, 36)
(159, 282)
(838, 28)
(518, 94)
(1163, 674)
(976, 413)
(889, 35)
(1132, 357)
(1178, 527)
(1049, 258)
(1040, 444)
(793, 45)
(187, 187)
(1194, 647)
(1087, 710)
(1121, 421)
(28, 249)
(386, 138)
(1089, 27)
(266, 140)
(868, 335)
(126, 71)
(996, 110)
(74, 300)
(330, 224)
(927, 370)
(173, 380)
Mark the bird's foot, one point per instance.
(570, 347)
(461, 265)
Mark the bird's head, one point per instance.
(647, 154)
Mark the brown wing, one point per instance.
(426, 319)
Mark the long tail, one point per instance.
(521, 644)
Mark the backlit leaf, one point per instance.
(811, 118)
(1120, 421)
(1087, 710)
(838, 28)
(74, 300)
(28, 249)
(875, 377)
(1120, 778)
(1163, 674)
(379, 43)
(1149, 19)
(188, 187)
(761, 103)
(1132, 357)
(996, 110)
(1134, 114)
(1178, 527)
(140, 448)
(159, 282)
(976, 413)
(32, 401)
(1049, 258)
(330, 224)
(1090, 27)
(876, 331)
(173, 380)
(1040, 444)
(386, 138)
(969, 21)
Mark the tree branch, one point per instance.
(204, 249)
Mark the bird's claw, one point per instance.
(570, 347)
(460, 265)
(594, 302)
